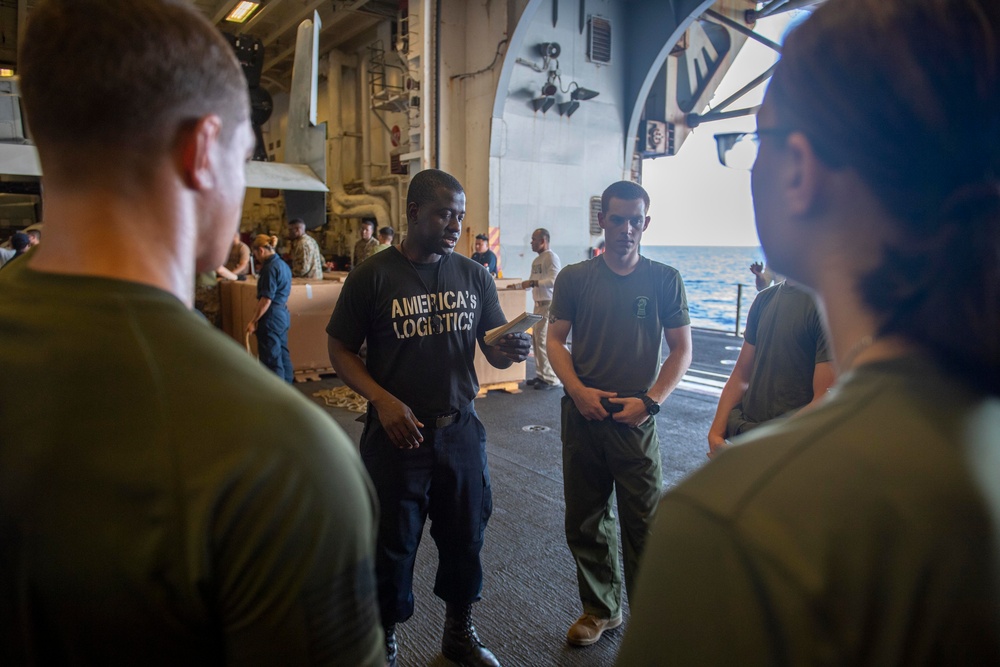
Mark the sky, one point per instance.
(695, 200)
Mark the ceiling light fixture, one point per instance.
(242, 11)
(568, 108)
(583, 93)
(542, 104)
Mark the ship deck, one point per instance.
(529, 594)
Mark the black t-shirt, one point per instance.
(421, 322)
(487, 259)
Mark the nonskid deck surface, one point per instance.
(530, 595)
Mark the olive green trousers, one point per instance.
(602, 461)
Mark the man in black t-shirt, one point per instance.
(484, 255)
(422, 309)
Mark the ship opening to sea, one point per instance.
(718, 281)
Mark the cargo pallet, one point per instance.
(509, 387)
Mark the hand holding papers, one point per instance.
(519, 324)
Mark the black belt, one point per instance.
(441, 420)
(429, 422)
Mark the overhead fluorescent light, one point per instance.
(5, 71)
(242, 11)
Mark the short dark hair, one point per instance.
(35, 234)
(369, 222)
(482, 237)
(425, 184)
(920, 126)
(19, 241)
(386, 231)
(296, 221)
(626, 191)
(120, 78)
(545, 233)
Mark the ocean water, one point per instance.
(711, 276)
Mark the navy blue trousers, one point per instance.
(446, 479)
(272, 341)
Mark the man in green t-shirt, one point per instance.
(163, 498)
(620, 306)
(784, 366)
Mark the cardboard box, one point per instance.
(310, 305)
(513, 303)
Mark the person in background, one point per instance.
(34, 237)
(385, 236)
(238, 261)
(307, 260)
(620, 306)
(20, 243)
(423, 444)
(784, 367)
(763, 276)
(544, 269)
(208, 296)
(864, 531)
(271, 320)
(170, 502)
(365, 247)
(6, 254)
(483, 255)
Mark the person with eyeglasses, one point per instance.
(864, 532)
(620, 307)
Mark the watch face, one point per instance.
(653, 408)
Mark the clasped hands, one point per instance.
(588, 402)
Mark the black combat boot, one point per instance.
(391, 649)
(461, 643)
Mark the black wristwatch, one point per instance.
(652, 407)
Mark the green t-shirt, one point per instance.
(860, 533)
(618, 321)
(163, 498)
(787, 333)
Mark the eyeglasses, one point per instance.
(738, 150)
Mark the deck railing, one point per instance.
(714, 305)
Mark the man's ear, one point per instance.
(412, 208)
(600, 219)
(804, 178)
(196, 152)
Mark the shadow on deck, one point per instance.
(529, 595)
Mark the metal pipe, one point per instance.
(745, 89)
(346, 205)
(437, 84)
(779, 6)
(694, 120)
(739, 302)
(742, 29)
(364, 109)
